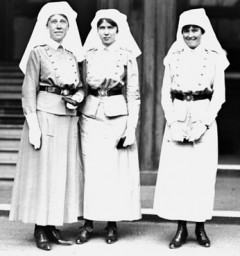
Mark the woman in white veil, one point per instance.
(48, 185)
(193, 92)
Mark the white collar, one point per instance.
(54, 44)
(109, 48)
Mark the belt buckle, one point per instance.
(189, 97)
(102, 93)
(65, 92)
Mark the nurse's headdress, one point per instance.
(124, 36)
(199, 18)
(40, 34)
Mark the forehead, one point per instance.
(105, 23)
(188, 27)
(57, 16)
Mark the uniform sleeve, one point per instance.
(81, 88)
(166, 97)
(30, 83)
(132, 92)
(218, 97)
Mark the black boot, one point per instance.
(181, 235)
(56, 237)
(112, 232)
(85, 232)
(41, 238)
(202, 237)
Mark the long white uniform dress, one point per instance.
(48, 185)
(185, 186)
(112, 184)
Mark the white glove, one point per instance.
(198, 129)
(34, 130)
(77, 97)
(130, 137)
(177, 132)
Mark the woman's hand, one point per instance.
(177, 132)
(130, 137)
(198, 129)
(78, 97)
(34, 130)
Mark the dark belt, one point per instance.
(57, 90)
(99, 92)
(190, 96)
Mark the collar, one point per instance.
(109, 48)
(53, 44)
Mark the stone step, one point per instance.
(11, 73)
(7, 170)
(11, 96)
(11, 81)
(11, 110)
(10, 131)
(10, 102)
(12, 119)
(10, 88)
(8, 155)
(10, 143)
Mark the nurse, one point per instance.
(193, 92)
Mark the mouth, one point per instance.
(58, 33)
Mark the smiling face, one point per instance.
(107, 31)
(58, 26)
(192, 35)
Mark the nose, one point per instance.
(106, 31)
(190, 34)
(59, 25)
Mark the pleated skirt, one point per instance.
(48, 185)
(112, 182)
(186, 179)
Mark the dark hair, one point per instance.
(110, 21)
(184, 28)
(63, 15)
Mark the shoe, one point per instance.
(41, 239)
(202, 237)
(56, 237)
(180, 237)
(83, 236)
(111, 235)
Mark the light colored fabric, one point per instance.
(34, 130)
(49, 67)
(193, 70)
(40, 34)
(112, 182)
(209, 40)
(48, 185)
(124, 36)
(120, 71)
(185, 185)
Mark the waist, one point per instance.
(191, 96)
(102, 92)
(57, 90)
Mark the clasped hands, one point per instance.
(77, 98)
(178, 131)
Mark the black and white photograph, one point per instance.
(120, 127)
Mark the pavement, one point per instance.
(149, 237)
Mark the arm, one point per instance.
(166, 97)
(133, 100)
(218, 97)
(29, 98)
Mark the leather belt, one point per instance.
(99, 92)
(190, 96)
(57, 90)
